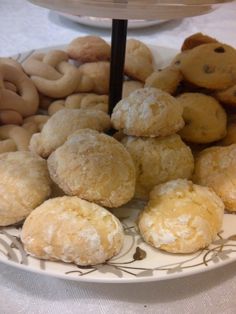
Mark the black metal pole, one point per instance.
(118, 45)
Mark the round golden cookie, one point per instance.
(158, 160)
(230, 137)
(215, 167)
(72, 230)
(89, 49)
(205, 119)
(95, 167)
(130, 86)
(181, 217)
(24, 185)
(63, 123)
(227, 96)
(138, 60)
(167, 79)
(148, 112)
(211, 66)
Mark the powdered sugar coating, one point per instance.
(95, 167)
(72, 230)
(181, 217)
(148, 112)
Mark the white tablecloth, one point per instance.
(23, 27)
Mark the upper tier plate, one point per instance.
(132, 9)
(100, 22)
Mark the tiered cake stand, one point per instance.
(120, 11)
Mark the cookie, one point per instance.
(138, 60)
(227, 96)
(181, 217)
(210, 66)
(205, 119)
(195, 40)
(24, 185)
(166, 79)
(130, 86)
(215, 167)
(89, 49)
(158, 160)
(62, 124)
(148, 112)
(72, 230)
(95, 167)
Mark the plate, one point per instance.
(138, 261)
(107, 23)
(132, 9)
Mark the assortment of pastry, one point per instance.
(175, 148)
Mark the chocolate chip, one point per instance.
(177, 62)
(219, 50)
(234, 93)
(208, 69)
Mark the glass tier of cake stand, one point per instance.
(120, 11)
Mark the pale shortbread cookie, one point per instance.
(24, 185)
(73, 231)
(89, 49)
(205, 119)
(62, 124)
(215, 167)
(148, 112)
(166, 79)
(181, 217)
(130, 86)
(95, 167)
(158, 160)
(138, 60)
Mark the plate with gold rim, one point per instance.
(137, 261)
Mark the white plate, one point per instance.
(106, 23)
(137, 262)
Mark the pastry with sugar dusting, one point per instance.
(181, 217)
(95, 167)
(148, 112)
(72, 230)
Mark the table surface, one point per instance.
(25, 27)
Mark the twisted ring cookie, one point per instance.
(62, 124)
(13, 138)
(94, 78)
(35, 123)
(80, 101)
(26, 100)
(52, 74)
(72, 230)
